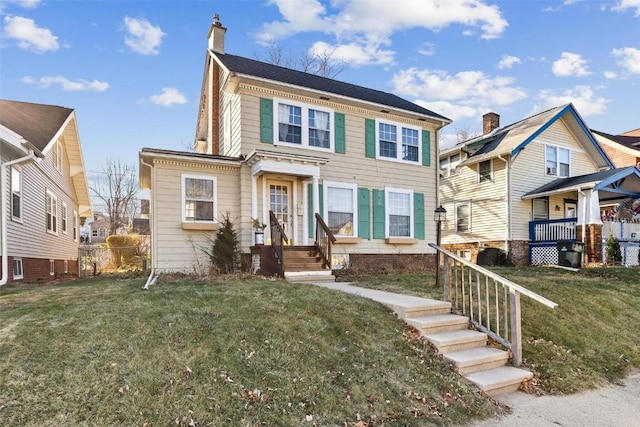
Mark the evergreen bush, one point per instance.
(224, 247)
(612, 249)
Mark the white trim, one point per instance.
(65, 218)
(66, 266)
(455, 207)
(54, 214)
(21, 275)
(18, 170)
(399, 127)
(275, 166)
(58, 164)
(183, 200)
(304, 124)
(52, 267)
(354, 203)
(388, 190)
(76, 225)
(556, 171)
(490, 171)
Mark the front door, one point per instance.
(280, 203)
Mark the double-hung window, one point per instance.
(399, 212)
(540, 209)
(75, 226)
(16, 192)
(398, 142)
(463, 218)
(57, 156)
(52, 212)
(64, 217)
(199, 194)
(303, 125)
(449, 165)
(485, 171)
(340, 201)
(558, 161)
(18, 272)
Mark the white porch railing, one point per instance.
(491, 302)
(625, 230)
(552, 230)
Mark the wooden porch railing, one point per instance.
(491, 302)
(278, 239)
(324, 240)
(552, 230)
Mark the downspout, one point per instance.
(507, 239)
(3, 210)
(584, 221)
(152, 276)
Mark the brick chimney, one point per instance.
(216, 35)
(490, 121)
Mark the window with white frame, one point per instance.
(540, 209)
(52, 212)
(449, 165)
(57, 156)
(64, 214)
(103, 232)
(463, 218)
(52, 267)
(199, 194)
(558, 161)
(399, 212)
(303, 125)
(18, 272)
(16, 192)
(398, 142)
(485, 171)
(75, 226)
(340, 201)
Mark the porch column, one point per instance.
(589, 228)
(592, 242)
(254, 202)
(316, 202)
(305, 213)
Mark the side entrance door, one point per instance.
(280, 202)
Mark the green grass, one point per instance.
(212, 353)
(592, 338)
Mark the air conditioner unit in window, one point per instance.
(551, 171)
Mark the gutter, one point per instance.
(3, 210)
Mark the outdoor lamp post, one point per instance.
(440, 215)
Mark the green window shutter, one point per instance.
(378, 214)
(339, 137)
(310, 210)
(426, 148)
(418, 216)
(266, 120)
(321, 202)
(370, 138)
(364, 209)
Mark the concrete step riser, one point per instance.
(482, 366)
(450, 348)
(421, 312)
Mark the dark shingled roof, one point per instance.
(189, 154)
(37, 123)
(562, 183)
(628, 141)
(263, 70)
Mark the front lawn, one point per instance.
(211, 353)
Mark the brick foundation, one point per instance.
(38, 270)
(518, 250)
(592, 242)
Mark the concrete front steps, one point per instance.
(321, 276)
(467, 350)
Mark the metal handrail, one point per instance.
(467, 287)
(324, 240)
(278, 239)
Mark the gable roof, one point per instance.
(37, 123)
(513, 138)
(263, 70)
(632, 142)
(620, 182)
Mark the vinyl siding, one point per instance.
(350, 167)
(29, 238)
(175, 249)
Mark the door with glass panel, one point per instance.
(280, 203)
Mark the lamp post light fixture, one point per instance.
(439, 215)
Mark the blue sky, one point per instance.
(133, 70)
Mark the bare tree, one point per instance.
(115, 187)
(321, 63)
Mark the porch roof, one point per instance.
(611, 184)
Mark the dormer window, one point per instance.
(558, 161)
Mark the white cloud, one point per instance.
(582, 97)
(25, 4)
(169, 96)
(143, 37)
(452, 110)
(623, 5)
(66, 84)
(355, 54)
(508, 61)
(427, 49)
(629, 59)
(610, 75)
(28, 35)
(474, 88)
(570, 64)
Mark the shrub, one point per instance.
(614, 254)
(224, 247)
(123, 249)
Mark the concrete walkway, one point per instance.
(610, 406)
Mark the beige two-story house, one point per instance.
(44, 191)
(314, 159)
(524, 187)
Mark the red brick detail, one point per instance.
(592, 242)
(214, 128)
(38, 270)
